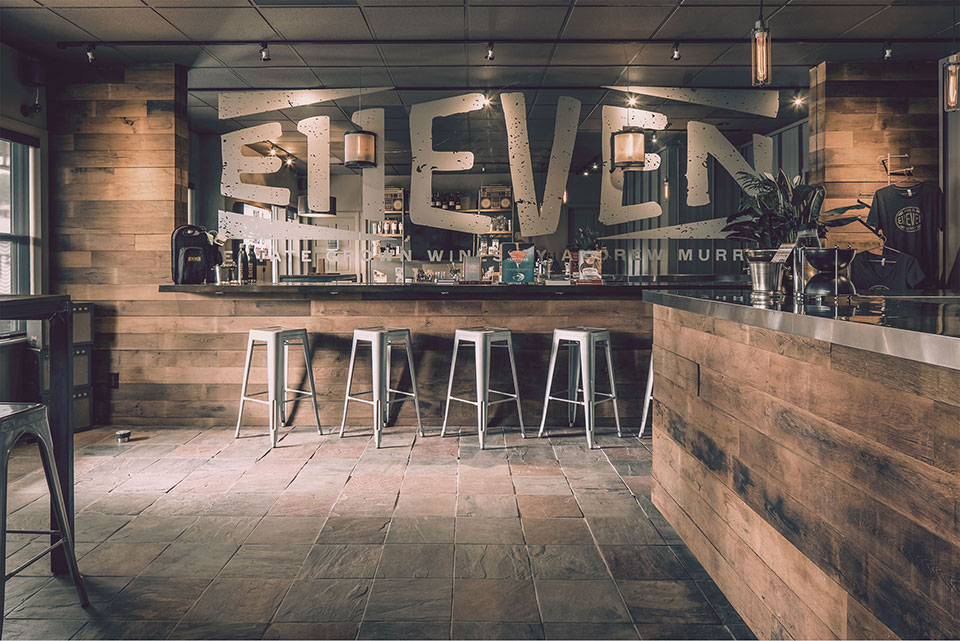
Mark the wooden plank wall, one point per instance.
(861, 111)
(119, 157)
(819, 485)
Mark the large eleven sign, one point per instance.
(537, 216)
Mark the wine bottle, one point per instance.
(244, 268)
(252, 261)
(450, 203)
(456, 202)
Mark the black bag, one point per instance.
(192, 255)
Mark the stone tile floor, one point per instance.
(191, 534)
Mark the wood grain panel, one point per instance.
(837, 470)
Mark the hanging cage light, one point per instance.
(760, 62)
(951, 83)
(628, 149)
(360, 149)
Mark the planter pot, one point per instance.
(766, 277)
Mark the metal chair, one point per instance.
(483, 339)
(582, 343)
(17, 419)
(274, 338)
(381, 341)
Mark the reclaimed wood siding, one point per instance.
(819, 485)
(861, 111)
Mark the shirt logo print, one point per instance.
(909, 219)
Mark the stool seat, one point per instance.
(17, 419)
(483, 339)
(381, 340)
(277, 340)
(581, 376)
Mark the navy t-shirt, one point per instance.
(911, 219)
(875, 274)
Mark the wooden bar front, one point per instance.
(816, 483)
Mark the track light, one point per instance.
(676, 51)
(273, 150)
(798, 100)
(264, 52)
(91, 56)
(489, 55)
(594, 166)
(653, 138)
(887, 51)
(632, 101)
(486, 101)
(289, 161)
(586, 173)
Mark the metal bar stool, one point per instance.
(483, 339)
(381, 341)
(582, 343)
(274, 338)
(17, 419)
(647, 397)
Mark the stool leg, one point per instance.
(274, 377)
(573, 374)
(453, 367)
(413, 383)
(63, 521)
(648, 395)
(243, 386)
(613, 387)
(588, 368)
(7, 440)
(546, 397)
(386, 396)
(483, 387)
(379, 387)
(516, 386)
(282, 383)
(346, 396)
(308, 363)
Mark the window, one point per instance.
(15, 215)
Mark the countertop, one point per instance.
(922, 327)
(421, 291)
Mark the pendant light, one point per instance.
(760, 52)
(360, 149)
(951, 71)
(628, 149)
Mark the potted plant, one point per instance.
(586, 255)
(773, 211)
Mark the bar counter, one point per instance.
(181, 356)
(812, 463)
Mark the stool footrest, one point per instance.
(256, 400)
(57, 532)
(361, 400)
(39, 556)
(509, 398)
(402, 393)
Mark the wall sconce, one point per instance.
(951, 83)
(303, 210)
(760, 54)
(628, 148)
(360, 149)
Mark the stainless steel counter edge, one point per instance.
(932, 349)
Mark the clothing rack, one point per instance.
(903, 171)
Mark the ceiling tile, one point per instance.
(415, 22)
(318, 23)
(210, 23)
(825, 22)
(337, 55)
(690, 54)
(709, 22)
(186, 55)
(905, 22)
(425, 54)
(581, 76)
(118, 23)
(38, 24)
(502, 78)
(514, 22)
(614, 22)
(594, 54)
(510, 53)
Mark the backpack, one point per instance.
(192, 255)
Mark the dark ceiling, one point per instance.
(424, 69)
